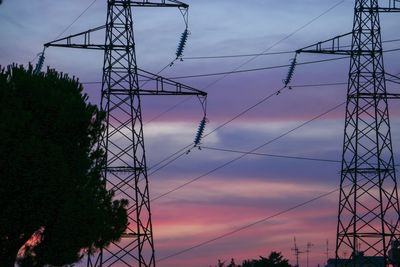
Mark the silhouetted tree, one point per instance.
(232, 263)
(275, 259)
(51, 191)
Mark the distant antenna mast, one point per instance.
(296, 252)
(309, 245)
(327, 250)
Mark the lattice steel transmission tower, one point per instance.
(368, 217)
(123, 84)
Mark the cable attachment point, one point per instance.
(290, 73)
(185, 14)
(39, 64)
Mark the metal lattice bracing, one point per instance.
(368, 207)
(126, 170)
(368, 217)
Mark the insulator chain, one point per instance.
(200, 131)
(182, 43)
(185, 34)
(202, 125)
(39, 64)
(290, 73)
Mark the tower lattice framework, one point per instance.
(368, 215)
(123, 84)
(368, 205)
(126, 171)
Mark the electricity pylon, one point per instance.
(123, 141)
(368, 216)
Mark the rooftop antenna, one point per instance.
(296, 252)
(309, 245)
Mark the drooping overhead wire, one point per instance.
(244, 227)
(167, 110)
(175, 155)
(266, 50)
(260, 54)
(255, 69)
(269, 68)
(238, 55)
(270, 155)
(274, 155)
(245, 70)
(178, 154)
(276, 43)
(251, 151)
(76, 19)
(70, 25)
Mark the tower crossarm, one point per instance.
(162, 3)
(159, 85)
(332, 46)
(81, 40)
(389, 6)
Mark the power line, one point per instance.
(261, 54)
(185, 149)
(241, 65)
(267, 68)
(72, 23)
(242, 113)
(176, 156)
(246, 70)
(274, 155)
(238, 55)
(255, 69)
(270, 155)
(247, 153)
(278, 42)
(281, 40)
(168, 110)
(76, 19)
(317, 84)
(244, 227)
(264, 99)
(245, 111)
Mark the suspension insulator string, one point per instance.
(182, 43)
(39, 64)
(290, 73)
(202, 125)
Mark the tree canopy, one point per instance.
(54, 205)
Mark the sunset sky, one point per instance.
(254, 187)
